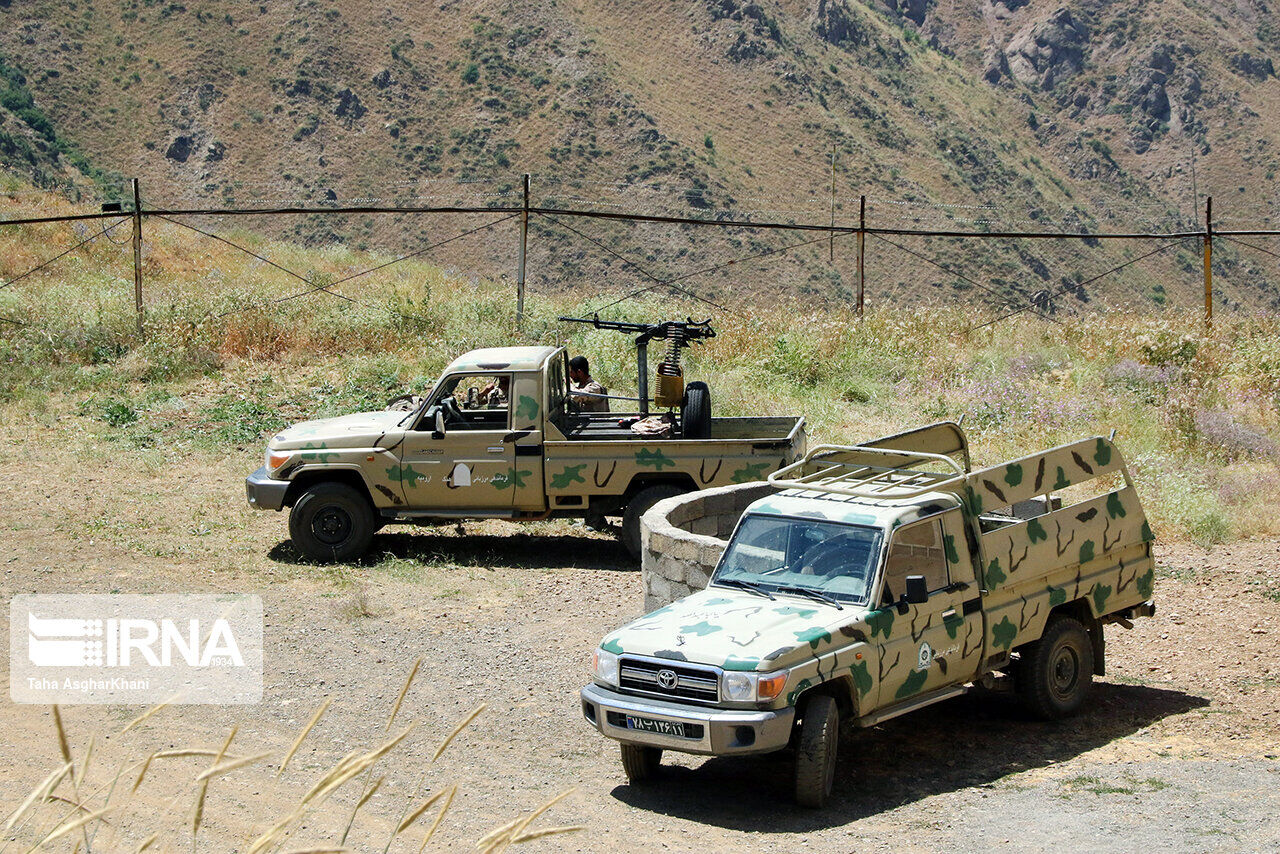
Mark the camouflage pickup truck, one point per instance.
(883, 578)
(500, 437)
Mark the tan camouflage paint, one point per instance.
(1097, 551)
(582, 469)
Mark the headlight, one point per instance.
(276, 460)
(604, 666)
(739, 687)
(749, 687)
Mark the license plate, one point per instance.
(662, 727)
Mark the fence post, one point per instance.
(1208, 260)
(524, 242)
(862, 245)
(137, 255)
(831, 244)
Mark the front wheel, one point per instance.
(332, 522)
(1056, 671)
(640, 762)
(816, 751)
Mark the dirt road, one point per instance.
(1179, 750)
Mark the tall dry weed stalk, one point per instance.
(64, 803)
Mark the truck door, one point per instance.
(938, 642)
(472, 466)
(530, 493)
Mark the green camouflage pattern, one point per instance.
(563, 474)
(1096, 552)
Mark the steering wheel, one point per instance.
(452, 414)
(828, 558)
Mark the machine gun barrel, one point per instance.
(688, 329)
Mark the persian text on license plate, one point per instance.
(649, 725)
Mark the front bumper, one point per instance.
(265, 492)
(715, 732)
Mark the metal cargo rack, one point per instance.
(863, 471)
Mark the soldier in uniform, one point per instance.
(496, 394)
(582, 386)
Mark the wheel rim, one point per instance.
(1064, 672)
(332, 525)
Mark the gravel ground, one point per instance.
(1179, 749)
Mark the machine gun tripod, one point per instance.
(694, 401)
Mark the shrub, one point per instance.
(1227, 438)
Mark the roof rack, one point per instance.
(868, 472)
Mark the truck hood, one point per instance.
(737, 630)
(360, 430)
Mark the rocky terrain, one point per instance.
(1015, 114)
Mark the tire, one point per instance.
(641, 763)
(637, 507)
(695, 415)
(332, 522)
(1056, 672)
(816, 751)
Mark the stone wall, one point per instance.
(682, 538)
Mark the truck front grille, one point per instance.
(654, 678)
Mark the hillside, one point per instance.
(1015, 114)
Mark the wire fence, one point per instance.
(610, 242)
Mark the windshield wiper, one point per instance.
(745, 585)
(812, 594)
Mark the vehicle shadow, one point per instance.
(515, 550)
(972, 740)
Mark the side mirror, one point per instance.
(435, 417)
(917, 590)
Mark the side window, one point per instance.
(915, 550)
(556, 384)
(475, 401)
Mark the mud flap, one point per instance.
(1099, 644)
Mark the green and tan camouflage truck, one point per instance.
(500, 437)
(880, 579)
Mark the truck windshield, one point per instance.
(770, 552)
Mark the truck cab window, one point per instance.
(475, 401)
(557, 387)
(915, 550)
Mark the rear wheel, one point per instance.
(1056, 671)
(637, 507)
(695, 415)
(331, 522)
(640, 762)
(816, 751)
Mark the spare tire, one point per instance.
(695, 415)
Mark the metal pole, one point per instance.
(862, 245)
(642, 374)
(137, 254)
(832, 244)
(1208, 260)
(524, 242)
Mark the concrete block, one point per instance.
(707, 525)
(709, 554)
(696, 577)
(658, 587)
(683, 549)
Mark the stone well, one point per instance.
(682, 538)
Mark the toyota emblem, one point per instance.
(667, 679)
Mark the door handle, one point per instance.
(947, 615)
(497, 449)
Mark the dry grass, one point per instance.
(57, 808)
(1197, 409)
